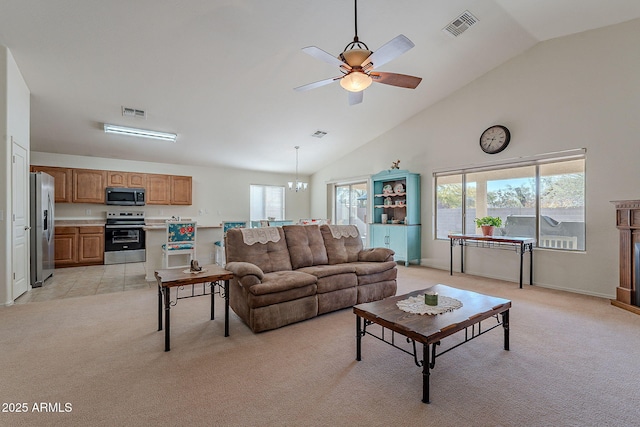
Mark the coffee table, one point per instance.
(210, 277)
(429, 330)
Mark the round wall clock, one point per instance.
(495, 139)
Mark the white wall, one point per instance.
(14, 123)
(219, 194)
(567, 93)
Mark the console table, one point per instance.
(519, 244)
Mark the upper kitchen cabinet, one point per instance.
(158, 189)
(63, 181)
(126, 179)
(89, 186)
(181, 190)
(168, 189)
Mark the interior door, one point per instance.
(20, 208)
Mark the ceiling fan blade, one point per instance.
(390, 50)
(317, 84)
(394, 79)
(320, 54)
(355, 97)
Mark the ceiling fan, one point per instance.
(357, 64)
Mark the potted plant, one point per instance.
(488, 223)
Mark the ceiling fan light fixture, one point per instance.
(356, 81)
(355, 57)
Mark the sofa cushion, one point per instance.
(382, 276)
(269, 257)
(376, 255)
(365, 268)
(376, 291)
(279, 281)
(329, 270)
(306, 245)
(343, 243)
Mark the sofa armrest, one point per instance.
(376, 255)
(242, 269)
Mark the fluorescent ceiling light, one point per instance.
(142, 133)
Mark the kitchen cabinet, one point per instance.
(63, 181)
(126, 179)
(180, 190)
(158, 189)
(89, 186)
(81, 245)
(396, 196)
(65, 242)
(168, 189)
(136, 180)
(90, 245)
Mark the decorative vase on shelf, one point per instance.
(487, 230)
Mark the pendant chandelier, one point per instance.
(297, 185)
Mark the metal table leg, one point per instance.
(159, 307)
(358, 338)
(521, 261)
(226, 308)
(505, 326)
(450, 257)
(426, 364)
(531, 264)
(167, 320)
(213, 310)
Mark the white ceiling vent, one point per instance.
(318, 134)
(133, 112)
(460, 24)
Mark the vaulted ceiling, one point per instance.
(221, 73)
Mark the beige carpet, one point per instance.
(574, 361)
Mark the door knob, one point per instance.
(27, 227)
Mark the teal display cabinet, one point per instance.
(396, 195)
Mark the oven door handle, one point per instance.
(124, 226)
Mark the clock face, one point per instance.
(495, 139)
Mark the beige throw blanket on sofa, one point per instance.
(339, 231)
(262, 235)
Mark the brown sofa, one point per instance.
(287, 274)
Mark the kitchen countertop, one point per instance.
(163, 226)
(78, 222)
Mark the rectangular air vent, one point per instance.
(134, 112)
(460, 24)
(318, 134)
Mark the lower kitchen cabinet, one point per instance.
(91, 245)
(81, 245)
(404, 240)
(65, 243)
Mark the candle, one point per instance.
(431, 298)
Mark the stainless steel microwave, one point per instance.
(125, 196)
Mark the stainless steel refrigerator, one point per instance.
(42, 227)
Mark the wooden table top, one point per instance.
(177, 277)
(428, 329)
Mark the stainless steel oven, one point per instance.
(124, 238)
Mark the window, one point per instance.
(351, 206)
(267, 201)
(542, 198)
